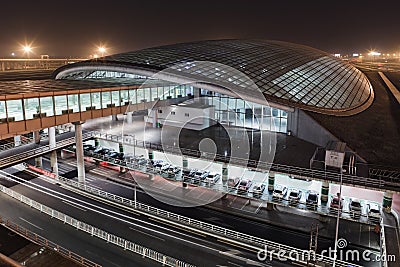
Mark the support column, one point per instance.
(52, 137)
(53, 154)
(387, 202)
(96, 142)
(17, 140)
(53, 163)
(38, 162)
(271, 181)
(36, 137)
(151, 157)
(121, 150)
(185, 165)
(324, 192)
(129, 117)
(224, 173)
(155, 118)
(79, 152)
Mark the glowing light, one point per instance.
(102, 49)
(27, 48)
(355, 55)
(374, 53)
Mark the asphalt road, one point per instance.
(270, 232)
(188, 247)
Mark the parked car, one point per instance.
(89, 147)
(312, 200)
(258, 189)
(115, 155)
(374, 213)
(187, 174)
(199, 176)
(279, 192)
(172, 171)
(295, 196)
(336, 203)
(212, 178)
(355, 208)
(233, 182)
(244, 186)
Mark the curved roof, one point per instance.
(289, 74)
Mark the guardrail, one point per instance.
(4, 162)
(203, 227)
(41, 241)
(11, 145)
(384, 262)
(389, 183)
(110, 238)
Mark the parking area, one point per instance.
(243, 184)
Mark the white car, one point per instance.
(258, 189)
(374, 212)
(295, 196)
(280, 192)
(212, 178)
(355, 208)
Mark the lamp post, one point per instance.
(102, 50)
(338, 216)
(27, 50)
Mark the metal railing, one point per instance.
(41, 241)
(10, 145)
(110, 238)
(389, 183)
(194, 225)
(384, 262)
(4, 162)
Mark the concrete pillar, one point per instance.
(185, 165)
(324, 192)
(129, 117)
(271, 181)
(114, 117)
(38, 162)
(155, 118)
(52, 137)
(96, 142)
(225, 173)
(387, 202)
(121, 150)
(151, 157)
(36, 137)
(17, 140)
(79, 152)
(53, 162)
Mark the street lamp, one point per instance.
(102, 50)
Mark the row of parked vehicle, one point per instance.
(241, 185)
(196, 176)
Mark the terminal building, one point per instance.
(310, 95)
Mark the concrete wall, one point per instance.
(304, 127)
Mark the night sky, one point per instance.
(75, 28)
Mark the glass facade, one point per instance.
(228, 110)
(237, 112)
(30, 108)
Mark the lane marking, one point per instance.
(72, 205)
(34, 225)
(147, 234)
